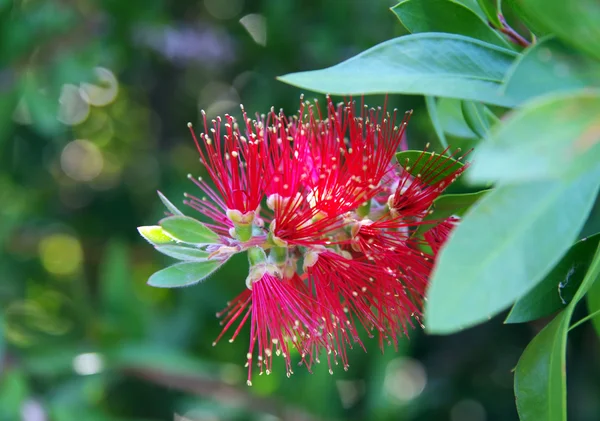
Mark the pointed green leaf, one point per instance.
(184, 274)
(184, 253)
(436, 64)
(451, 118)
(154, 234)
(188, 230)
(505, 245)
(593, 302)
(491, 10)
(170, 206)
(575, 22)
(419, 162)
(431, 105)
(540, 376)
(474, 6)
(445, 16)
(448, 205)
(557, 68)
(478, 117)
(558, 288)
(557, 135)
(457, 203)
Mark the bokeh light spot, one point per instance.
(467, 410)
(405, 379)
(61, 254)
(350, 391)
(81, 160)
(111, 173)
(88, 363)
(102, 93)
(32, 410)
(218, 98)
(72, 109)
(232, 374)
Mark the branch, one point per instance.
(221, 392)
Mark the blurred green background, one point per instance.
(94, 101)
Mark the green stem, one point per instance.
(364, 209)
(278, 255)
(585, 319)
(256, 255)
(243, 231)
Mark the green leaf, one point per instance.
(575, 22)
(419, 163)
(555, 136)
(445, 16)
(444, 65)
(478, 117)
(516, 9)
(557, 68)
(184, 253)
(505, 245)
(558, 288)
(474, 6)
(491, 12)
(184, 274)
(451, 118)
(430, 103)
(540, 376)
(593, 303)
(170, 206)
(154, 234)
(188, 230)
(448, 205)
(457, 203)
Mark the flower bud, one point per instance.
(257, 272)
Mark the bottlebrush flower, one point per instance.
(437, 235)
(280, 318)
(236, 168)
(328, 167)
(324, 190)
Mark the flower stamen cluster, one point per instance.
(329, 222)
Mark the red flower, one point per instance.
(280, 319)
(336, 200)
(437, 235)
(327, 167)
(235, 164)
